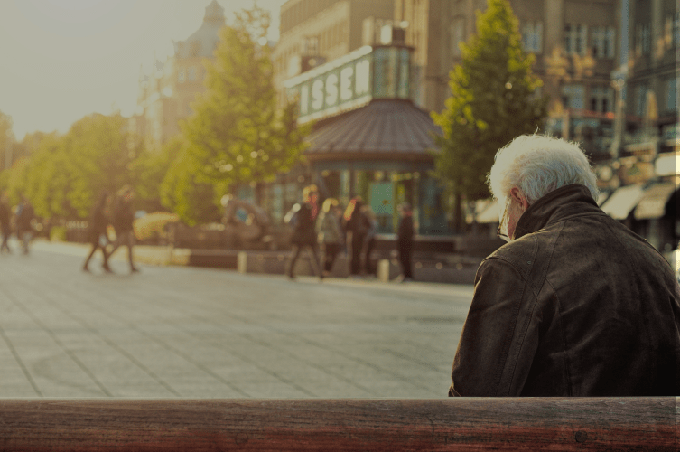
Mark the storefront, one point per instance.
(369, 140)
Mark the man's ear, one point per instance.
(517, 195)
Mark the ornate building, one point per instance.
(315, 31)
(166, 92)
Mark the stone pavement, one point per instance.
(179, 332)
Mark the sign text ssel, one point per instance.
(334, 86)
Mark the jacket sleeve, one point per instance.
(493, 335)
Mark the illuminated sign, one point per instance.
(352, 81)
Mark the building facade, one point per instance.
(168, 89)
(644, 172)
(315, 31)
(576, 44)
(652, 78)
(346, 64)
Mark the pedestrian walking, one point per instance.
(330, 233)
(370, 239)
(575, 304)
(357, 226)
(24, 223)
(304, 236)
(5, 224)
(123, 224)
(97, 235)
(405, 234)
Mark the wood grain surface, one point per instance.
(337, 425)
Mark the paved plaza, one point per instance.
(179, 332)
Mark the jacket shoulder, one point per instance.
(518, 253)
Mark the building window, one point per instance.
(601, 100)
(575, 39)
(457, 36)
(195, 48)
(641, 101)
(310, 45)
(603, 42)
(532, 37)
(572, 96)
(672, 35)
(181, 75)
(192, 73)
(671, 90)
(643, 39)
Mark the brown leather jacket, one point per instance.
(578, 305)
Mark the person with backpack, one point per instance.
(304, 236)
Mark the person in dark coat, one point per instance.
(123, 223)
(5, 223)
(405, 234)
(96, 233)
(357, 224)
(575, 304)
(371, 240)
(330, 233)
(304, 236)
(24, 223)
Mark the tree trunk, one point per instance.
(458, 223)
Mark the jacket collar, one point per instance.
(556, 206)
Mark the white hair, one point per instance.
(538, 165)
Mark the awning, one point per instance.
(622, 201)
(602, 198)
(387, 127)
(667, 164)
(652, 205)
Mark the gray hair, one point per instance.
(538, 165)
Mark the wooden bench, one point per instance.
(338, 425)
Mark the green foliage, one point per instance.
(6, 135)
(186, 192)
(149, 170)
(63, 175)
(236, 134)
(492, 102)
(58, 233)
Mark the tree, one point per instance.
(49, 177)
(63, 175)
(149, 169)
(493, 100)
(98, 157)
(6, 137)
(236, 134)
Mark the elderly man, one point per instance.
(575, 304)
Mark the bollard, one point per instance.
(384, 270)
(242, 262)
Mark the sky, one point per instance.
(61, 60)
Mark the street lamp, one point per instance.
(618, 82)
